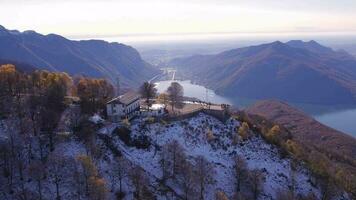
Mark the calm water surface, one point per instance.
(342, 118)
(197, 91)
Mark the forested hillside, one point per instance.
(95, 58)
(56, 144)
(296, 71)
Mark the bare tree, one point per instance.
(34, 105)
(75, 119)
(175, 93)
(12, 154)
(21, 164)
(255, 178)
(164, 162)
(87, 134)
(188, 180)
(147, 194)
(240, 172)
(119, 171)
(329, 189)
(42, 147)
(148, 91)
(37, 172)
(292, 175)
(204, 173)
(57, 171)
(6, 165)
(139, 181)
(176, 155)
(49, 121)
(77, 180)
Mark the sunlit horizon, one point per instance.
(172, 18)
(203, 37)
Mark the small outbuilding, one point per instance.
(154, 110)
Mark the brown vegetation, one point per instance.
(94, 93)
(328, 153)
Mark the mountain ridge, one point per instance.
(275, 70)
(305, 128)
(96, 58)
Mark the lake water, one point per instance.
(342, 118)
(192, 90)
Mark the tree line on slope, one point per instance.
(195, 176)
(35, 103)
(32, 106)
(331, 173)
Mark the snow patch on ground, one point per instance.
(71, 149)
(191, 134)
(96, 119)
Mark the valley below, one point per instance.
(316, 79)
(263, 149)
(178, 100)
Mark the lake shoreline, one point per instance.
(338, 117)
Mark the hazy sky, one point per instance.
(121, 17)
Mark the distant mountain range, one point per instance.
(95, 58)
(296, 71)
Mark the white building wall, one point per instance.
(116, 111)
(132, 107)
(109, 109)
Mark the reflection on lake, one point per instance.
(344, 121)
(342, 118)
(192, 90)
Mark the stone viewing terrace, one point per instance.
(189, 109)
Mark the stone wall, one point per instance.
(219, 114)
